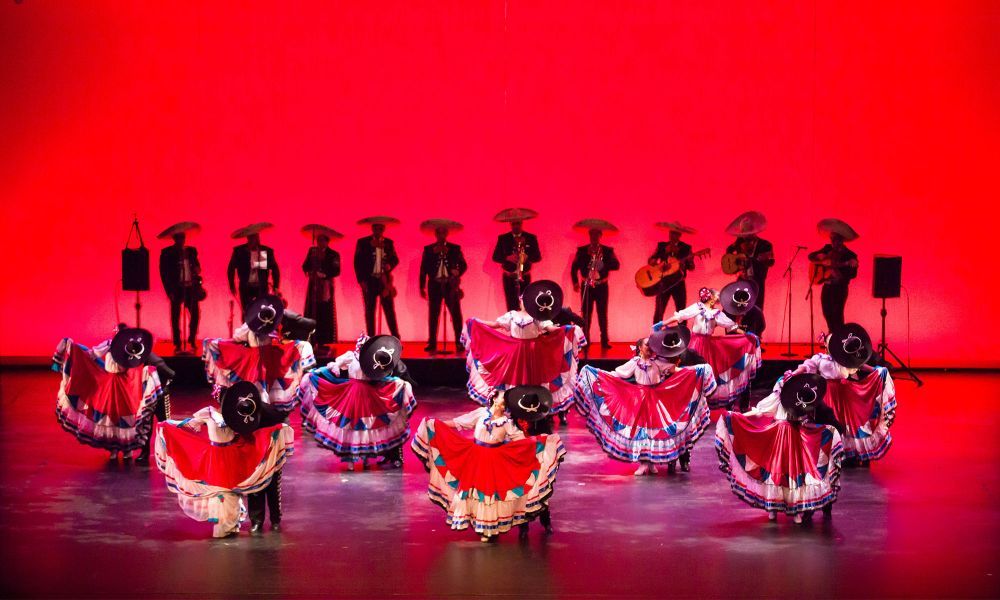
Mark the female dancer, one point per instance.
(500, 478)
(524, 347)
(365, 415)
(861, 396)
(258, 355)
(245, 448)
(790, 463)
(649, 410)
(734, 358)
(108, 393)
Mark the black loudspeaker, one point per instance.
(135, 269)
(887, 278)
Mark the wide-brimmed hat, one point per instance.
(598, 224)
(542, 299)
(739, 297)
(379, 220)
(802, 393)
(297, 327)
(669, 342)
(528, 402)
(265, 314)
(515, 214)
(131, 346)
(850, 345)
(432, 225)
(315, 230)
(245, 411)
(749, 223)
(676, 226)
(378, 356)
(182, 227)
(839, 227)
(251, 229)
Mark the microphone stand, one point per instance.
(812, 322)
(788, 298)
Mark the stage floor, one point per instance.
(915, 524)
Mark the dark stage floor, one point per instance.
(916, 524)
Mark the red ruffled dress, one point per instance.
(493, 482)
(209, 477)
(779, 465)
(356, 418)
(734, 358)
(642, 411)
(275, 367)
(498, 361)
(101, 403)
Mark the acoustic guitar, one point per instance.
(650, 279)
(733, 263)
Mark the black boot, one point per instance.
(686, 462)
(546, 520)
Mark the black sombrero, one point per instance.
(528, 402)
(379, 356)
(669, 341)
(850, 345)
(245, 411)
(739, 297)
(265, 314)
(131, 346)
(801, 394)
(542, 299)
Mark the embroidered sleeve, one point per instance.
(723, 320)
(687, 313)
(628, 369)
(469, 419)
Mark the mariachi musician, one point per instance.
(835, 265)
(180, 273)
(749, 257)
(441, 268)
(374, 259)
(255, 264)
(589, 272)
(516, 251)
(674, 287)
(321, 266)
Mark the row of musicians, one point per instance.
(253, 271)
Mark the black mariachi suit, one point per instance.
(599, 293)
(677, 291)
(178, 293)
(507, 245)
(269, 498)
(758, 264)
(543, 426)
(439, 291)
(833, 298)
(371, 285)
(323, 311)
(239, 264)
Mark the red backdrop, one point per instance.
(884, 114)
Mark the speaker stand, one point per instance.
(138, 310)
(883, 349)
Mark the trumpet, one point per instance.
(522, 258)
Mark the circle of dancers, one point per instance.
(493, 468)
